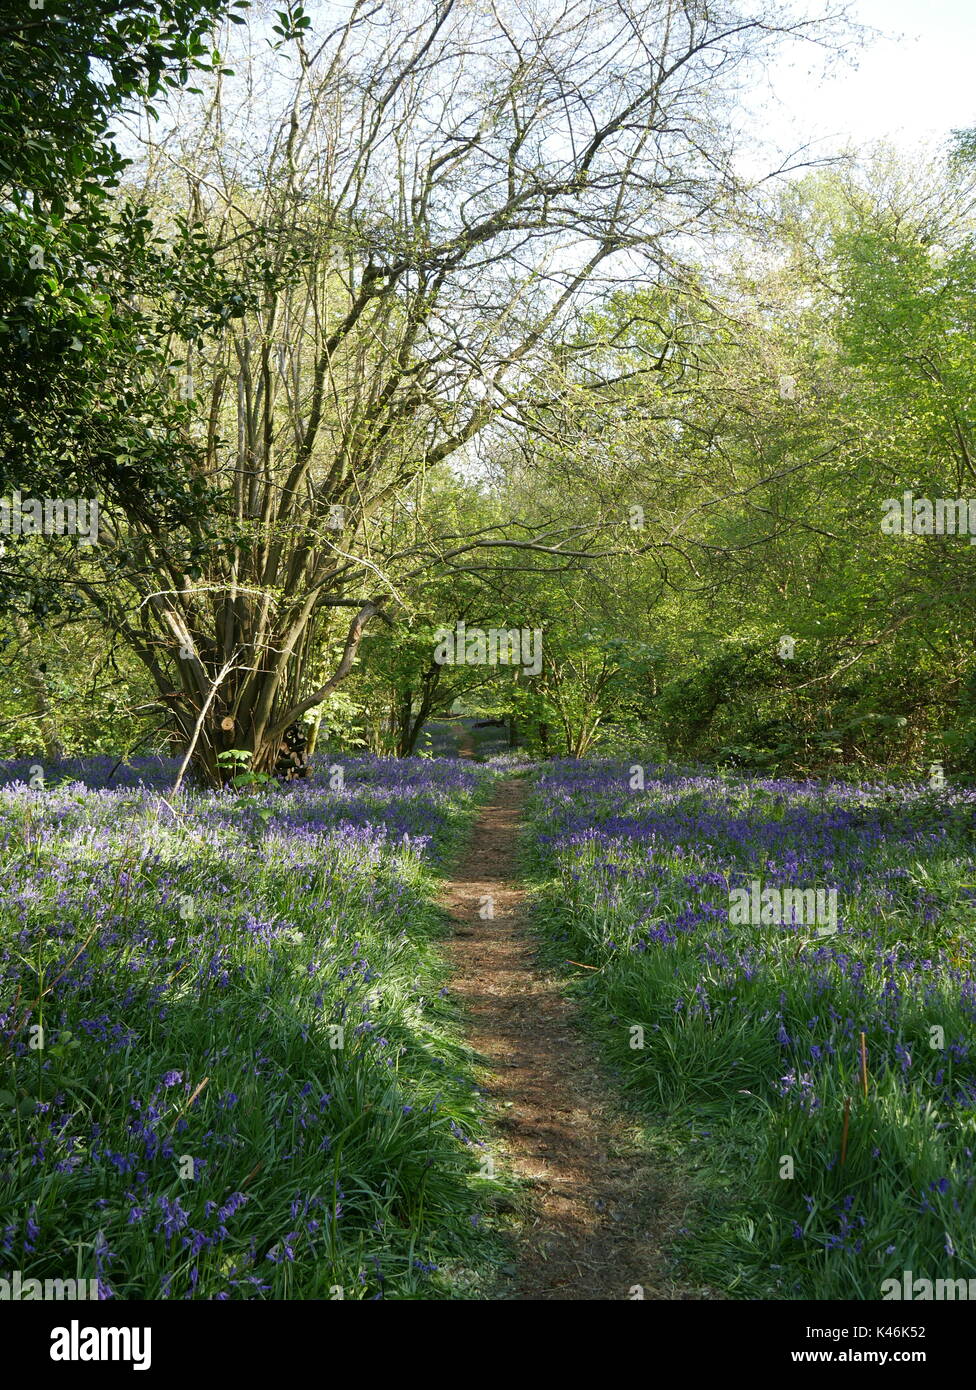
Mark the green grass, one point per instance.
(194, 1125)
(773, 1212)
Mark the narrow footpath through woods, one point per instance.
(596, 1217)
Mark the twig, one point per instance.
(864, 1065)
(224, 670)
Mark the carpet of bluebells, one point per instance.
(751, 1034)
(227, 1068)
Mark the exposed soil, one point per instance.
(595, 1217)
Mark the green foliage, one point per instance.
(239, 759)
(87, 402)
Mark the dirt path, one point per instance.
(595, 1217)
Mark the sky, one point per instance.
(911, 86)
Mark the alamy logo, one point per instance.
(18, 1289)
(75, 1343)
(768, 907)
(463, 646)
(920, 516)
(52, 516)
(927, 1290)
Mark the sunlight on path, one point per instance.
(596, 1217)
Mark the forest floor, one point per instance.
(595, 1219)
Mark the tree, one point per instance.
(83, 411)
(443, 191)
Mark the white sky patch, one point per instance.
(911, 84)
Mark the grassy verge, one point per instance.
(741, 1045)
(227, 1068)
